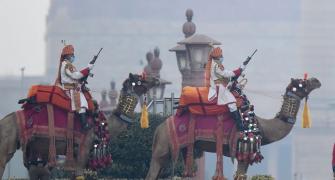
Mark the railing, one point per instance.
(165, 106)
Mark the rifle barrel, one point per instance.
(253, 53)
(102, 48)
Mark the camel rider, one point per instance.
(217, 79)
(70, 80)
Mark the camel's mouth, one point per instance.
(313, 83)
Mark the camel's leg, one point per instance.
(39, 173)
(45, 174)
(8, 140)
(241, 172)
(160, 152)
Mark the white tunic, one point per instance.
(224, 96)
(69, 74)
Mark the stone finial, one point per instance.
(189, 27)
(149, 57)
(103, 103)
(156, 64)
(113, 85)
(147, 69)
(103, 94)
(156, 52)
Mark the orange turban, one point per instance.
(68, 49)
(216, 52)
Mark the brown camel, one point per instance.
(271, 130)
(133, 88)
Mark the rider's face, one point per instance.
(220, 58)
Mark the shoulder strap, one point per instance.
(201, 102)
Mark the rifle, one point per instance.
(249, 58)
(233, 80)
(95, 57)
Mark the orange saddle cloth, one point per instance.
(195, 99)
(56, 95)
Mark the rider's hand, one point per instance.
(246, 61)
(90, 66)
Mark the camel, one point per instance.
(133, 88)
(272, 130)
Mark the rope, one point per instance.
(261, 93)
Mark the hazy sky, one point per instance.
(22, 36)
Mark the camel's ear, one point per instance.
(131, 76)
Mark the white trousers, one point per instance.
(83, 101)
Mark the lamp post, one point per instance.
(183, 63)
(192, 54)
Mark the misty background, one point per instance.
(292, 37)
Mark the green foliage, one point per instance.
(131, 152)
(262, 177)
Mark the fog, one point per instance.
(292, 37)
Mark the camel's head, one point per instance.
(302, 87)
(139, 84)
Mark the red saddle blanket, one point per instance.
(189, 128)
(56, 95)
(35, 121)
(196, 100)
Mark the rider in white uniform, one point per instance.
(219, 78)
(69, 79)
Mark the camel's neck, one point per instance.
(280, 126)
(123, 114)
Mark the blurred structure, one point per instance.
(147, 69)
(152, 69)
(103, 104)
(294, 36)
(113, 95)
(312, 149)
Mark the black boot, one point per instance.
(83, 121)
(238, 120)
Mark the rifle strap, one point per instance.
(190, 147)
(52, 139)
(201, 102)
(69, 140)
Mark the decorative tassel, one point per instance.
(144, 115)
(306, 119)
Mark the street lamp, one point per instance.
(192, 54)
(198, 47)
(183, 63)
